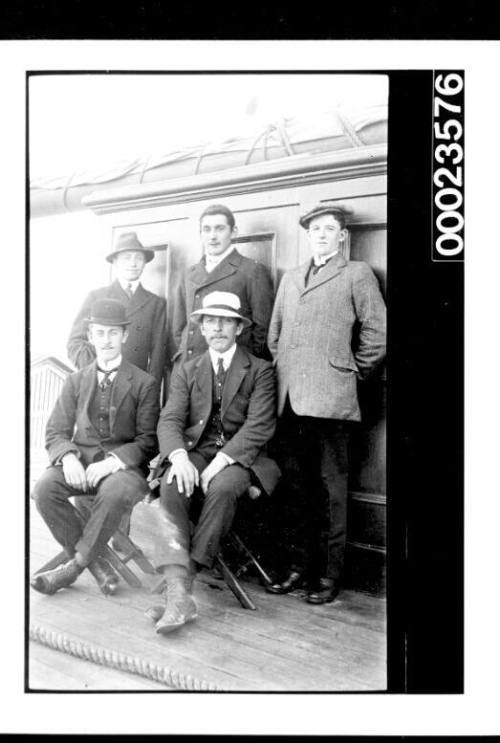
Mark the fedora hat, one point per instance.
(221, 304)
(339, 212)
(108, 312)
(130, 241)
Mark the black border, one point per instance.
(425, 405)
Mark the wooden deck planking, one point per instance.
(54, 670)
(285, 645)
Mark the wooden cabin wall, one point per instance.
(268, 227)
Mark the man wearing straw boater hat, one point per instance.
(146, 345)
(327, 332)
(219, 415)
(100, 437)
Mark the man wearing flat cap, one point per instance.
(321, 307)
(219, 416)
(100, 437)
(222, 268)
(146, 345)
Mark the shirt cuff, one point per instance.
(117, 463)
(175, 452)
(228, 459)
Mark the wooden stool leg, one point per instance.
(243, 548)
(235, 586)
(131, 551)
(121, 568)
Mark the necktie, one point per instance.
(220, 378)
(106, 381)
(128, 291)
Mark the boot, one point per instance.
(61, 577)
(179, 606)
(105, 576)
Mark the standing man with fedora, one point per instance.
(100, 438)
(222, 268)
(219, 415)
(146, 345)
(321, 306)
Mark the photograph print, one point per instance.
(207, 404)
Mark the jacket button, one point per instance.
(136, 348)
(190, 443)
(189, 352)
(201, 422)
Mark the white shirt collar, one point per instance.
(320, 260)
(227, 357)
(133, 285)
(105, 365)
(211, 261)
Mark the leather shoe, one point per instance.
(105, 576)
(61, 577)
(179, 606)
(292, 581)
(326, 592)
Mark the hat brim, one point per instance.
(197, 315)
(148, 254)
(106, 321)
(306, 218)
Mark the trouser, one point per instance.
(313, 456)
(212, 513)
(101, 509)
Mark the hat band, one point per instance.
(226, 307)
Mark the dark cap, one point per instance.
(130, 241)
(108, 312)
(339, 212)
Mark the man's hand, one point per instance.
(186, 473)
(96, 471)
(216, 465)
(73, 471)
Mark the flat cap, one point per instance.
(339, 212)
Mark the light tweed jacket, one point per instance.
(311, 337)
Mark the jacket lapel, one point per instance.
(203, 383)
(138, 299)
(200, 277)
(332, 269)
(121, 386)
(234, 377)
(88, 385)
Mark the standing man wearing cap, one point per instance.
(100, 437)
(146, 345)
(220, 413)
(222, 268)
(319, 307)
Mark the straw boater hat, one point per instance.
(108, 312)
(130, 241)
(339, 212)
(221, 304)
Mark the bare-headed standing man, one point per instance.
(222, 268)
(146, 344)
(318, 306)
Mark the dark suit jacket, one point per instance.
(311, 333)
(146, 344)
(248, 412)
(248, 279)
(133, 417)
